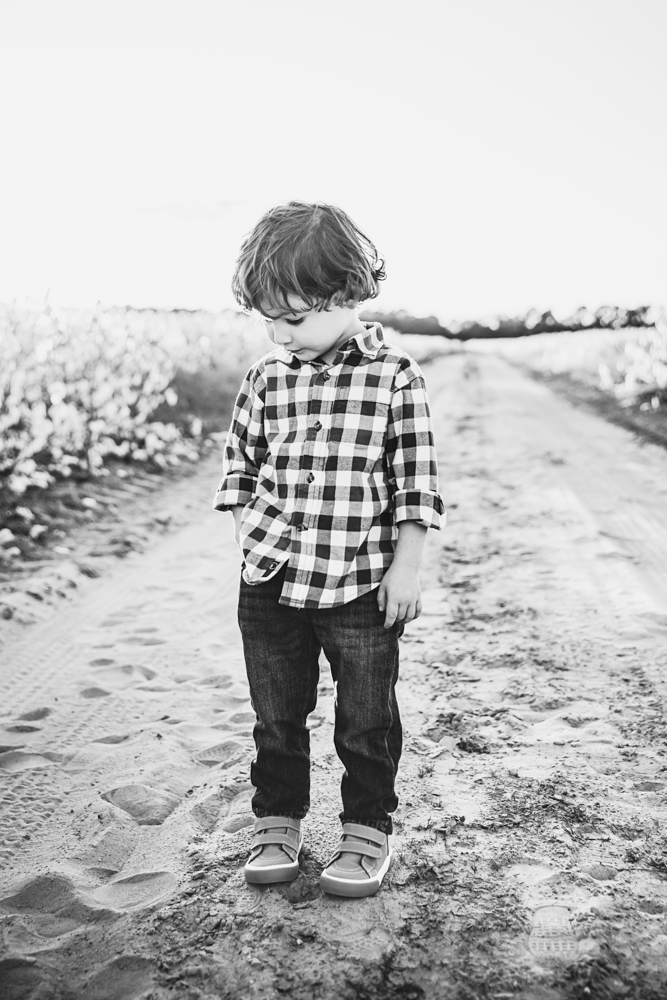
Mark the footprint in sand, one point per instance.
(35, 715)
(603, 758)
(94, 692)
(148, 806)
(240, 812)
(243, 717)
(135, 891)
(218, 681)
(53, 903)
(22, 760)
(103, 874)
(238, 822)
(124, 978)
(44, 894)
(31, 934)
(20, 978)
(90, 755)
(594, 861)
(531, 873)
(112, 740)
(225, 754)
(211, 809)
(551, 938)
(237, 699)
(648, 786)
(198, 734)
(141, 640)
(116, 678)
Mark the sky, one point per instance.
(501, 154)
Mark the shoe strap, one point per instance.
(289, 842)
(275, 822)
(367, 832)
(284, 839)
(358, 847)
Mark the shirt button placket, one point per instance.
(317, 385)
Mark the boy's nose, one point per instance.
(281, 337)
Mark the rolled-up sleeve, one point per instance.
(245, 447)
(411, 458)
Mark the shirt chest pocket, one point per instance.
(358, 433)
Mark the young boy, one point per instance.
(330, 473)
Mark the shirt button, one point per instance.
(272, 565)
(300, 527)
(325, 376)
(317, 425)
(311, 477)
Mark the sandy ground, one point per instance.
(530, 848)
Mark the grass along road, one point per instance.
(530, 859)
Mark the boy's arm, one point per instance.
(413, 474)
(399, 594)
(245, 450)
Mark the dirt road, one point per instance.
(530, 853)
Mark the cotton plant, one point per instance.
(641, 369)
(628, 362)
(80, 386)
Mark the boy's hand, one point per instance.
(237, 512)
(399, 595)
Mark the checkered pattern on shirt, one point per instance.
(326, 462)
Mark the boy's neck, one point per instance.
(354, 328)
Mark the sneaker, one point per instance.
(276, 845)
(359, 863)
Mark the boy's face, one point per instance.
(310, 334)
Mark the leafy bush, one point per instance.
(78, 387)
(640, 370)
(629, 363)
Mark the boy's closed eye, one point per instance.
(295, 322)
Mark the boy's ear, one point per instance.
(351, 303)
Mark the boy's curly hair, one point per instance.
(309, 250)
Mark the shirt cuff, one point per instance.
(234, 491)
(416, 505)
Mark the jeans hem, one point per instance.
(382, 825)
(263, 813)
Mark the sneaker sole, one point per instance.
(355, 888)
(267, 874)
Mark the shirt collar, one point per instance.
(368, 342)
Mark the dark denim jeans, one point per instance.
(282, 646)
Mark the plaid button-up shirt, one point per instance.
(326, 461)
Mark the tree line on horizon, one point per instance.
(604, 318)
